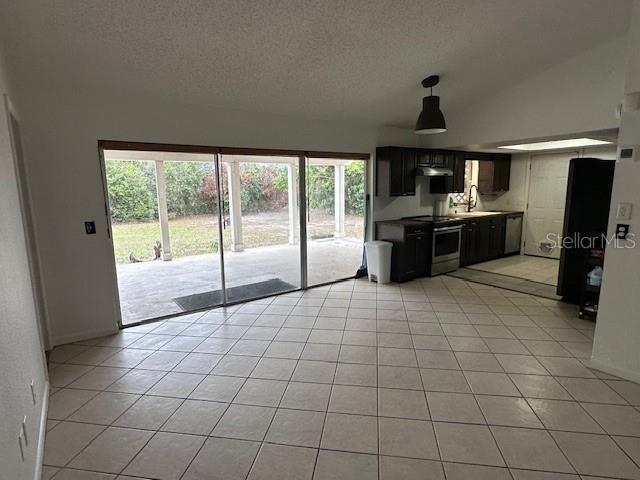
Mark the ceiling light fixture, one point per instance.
(431, 119)
(557, 144)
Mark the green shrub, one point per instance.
(263, 187)
(130, 197)
(354, 185)
(192, 188)
(186, 192)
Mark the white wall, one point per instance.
(617, 337)
(388, 208)
(21, 357)
(516, 198)
(61, 130)
(578, 95)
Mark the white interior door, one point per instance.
(547, 195)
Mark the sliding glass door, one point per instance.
(193, 231)
(261, 225)
(335, 218)
(164, 224)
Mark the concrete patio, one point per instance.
(147, 289)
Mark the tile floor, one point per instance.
(536, 269)
(507, 282)
(433, 379)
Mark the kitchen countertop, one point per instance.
(402, 221)
(478, 213)
(461, 216)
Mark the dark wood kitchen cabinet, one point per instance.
(411, 251)
(432, 158)
(417, 257)
(468, 243)
(482, 240)
(497, 227)
(453, 184)
(396, 171)
(493, 174)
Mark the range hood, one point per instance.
(433, 172)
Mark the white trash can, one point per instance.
(379, 260)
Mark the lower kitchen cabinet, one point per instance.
(411, 252)
(417, 257)
(482, 240)
(469, 243)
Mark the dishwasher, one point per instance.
(513, 234)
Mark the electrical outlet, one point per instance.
(624, 211)
(622, 231)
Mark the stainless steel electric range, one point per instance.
(445, 242)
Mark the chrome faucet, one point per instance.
(472, 204)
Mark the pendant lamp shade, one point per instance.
(431, 119)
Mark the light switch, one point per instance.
(624, 211)
(90, 227)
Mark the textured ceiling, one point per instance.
(348, 61)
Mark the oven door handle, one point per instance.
(447, 229)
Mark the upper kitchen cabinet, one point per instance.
(493, 174)
(396, 171)
(433, 158)
(451, 184)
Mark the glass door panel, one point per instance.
(194, 231)
(335, 207)
(164, 217)
(261, 225)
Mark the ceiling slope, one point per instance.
(357, 61)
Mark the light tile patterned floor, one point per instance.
(536, 269)
(436, 378)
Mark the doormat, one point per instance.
(213, 298)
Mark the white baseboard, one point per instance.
(77, 337)
(631, 375)
(42, 432)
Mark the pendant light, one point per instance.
(431, 119)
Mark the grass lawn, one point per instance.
(198, 234)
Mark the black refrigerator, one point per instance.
(586, 216)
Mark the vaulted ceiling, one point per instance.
(349, 61)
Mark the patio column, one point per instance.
(292, 188)
(339, 201)
(233, 174)
(163, 215)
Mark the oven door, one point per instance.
(446, 243)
